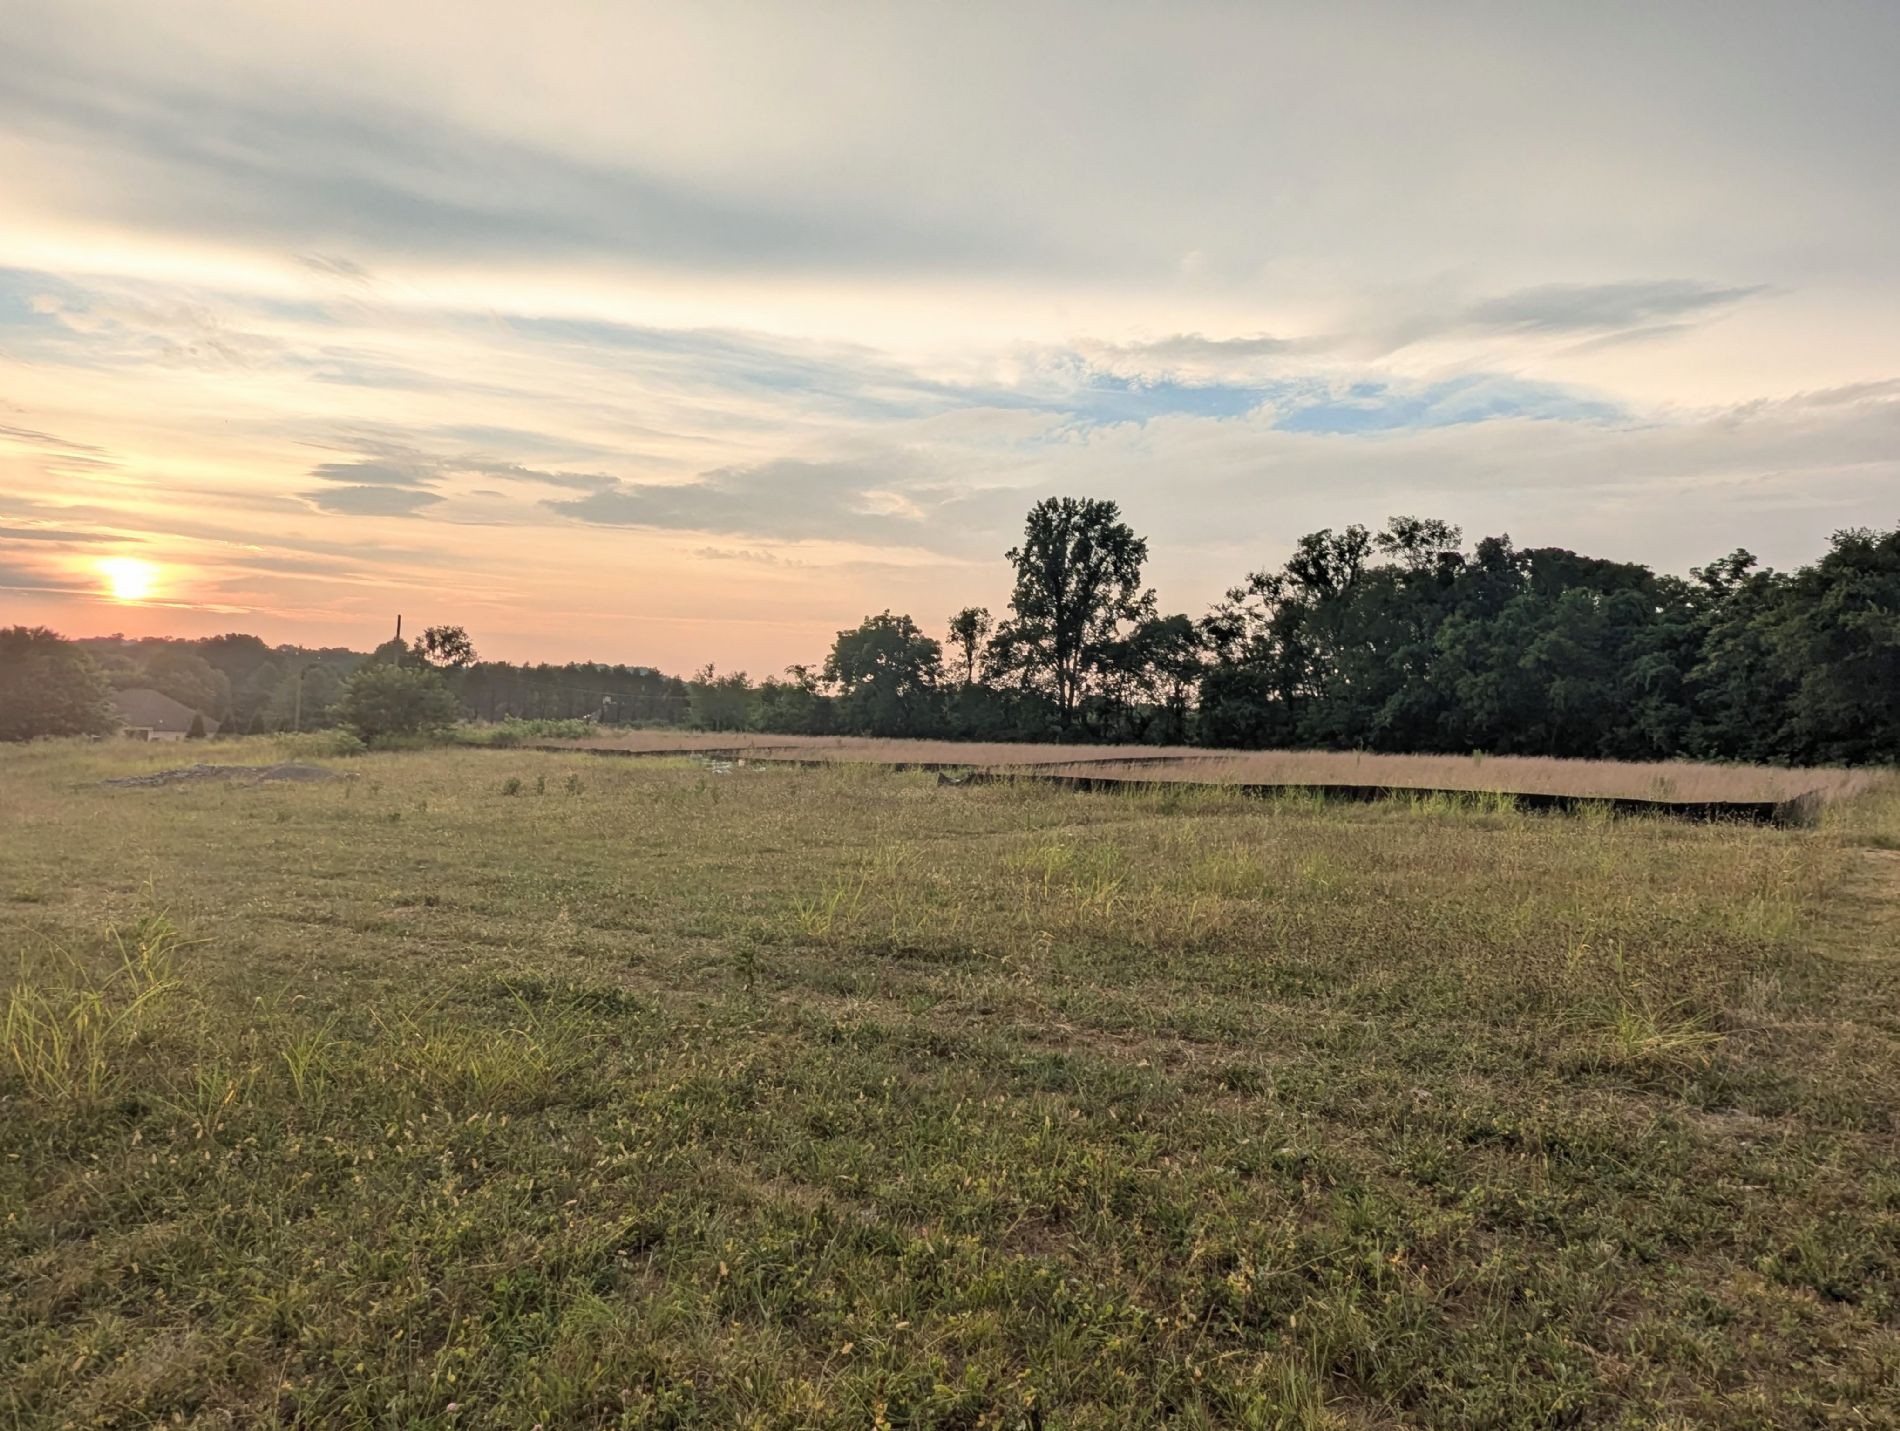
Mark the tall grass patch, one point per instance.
(70, 1025)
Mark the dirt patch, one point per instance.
(247, 774)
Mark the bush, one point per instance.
(381, 701)
(516, 731)
(320, 742)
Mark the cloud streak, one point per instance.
(279, 165)
(1596, 307)
(786, 500)
(371, 501)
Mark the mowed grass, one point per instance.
(648, 1096)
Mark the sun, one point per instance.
(128, 578)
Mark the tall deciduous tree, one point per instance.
(1160, 663)
(1839, 638)
(1078, 589)
(48, 686)
(447, 648)
(969, 629)
(886, 671)
(794, 705)
(716, 702)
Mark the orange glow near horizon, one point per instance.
(128, 578)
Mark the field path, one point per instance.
(1867, 926)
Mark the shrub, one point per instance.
(381, 700)
(518, 731)
(319, 743)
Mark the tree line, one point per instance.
(1404, 638)
(53, 686)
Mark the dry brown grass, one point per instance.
(824, 747)
(1660, 780)
(1513, 774)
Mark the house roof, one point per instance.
(145, 709)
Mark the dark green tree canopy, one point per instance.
(384, 700)
(1836, 640)
(716, 702)
(447, 648)
(395, 652)
(1078, 588)
(49, 686)
(886, 672)
(182, 672)
(970, 629)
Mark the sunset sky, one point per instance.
(690, 332)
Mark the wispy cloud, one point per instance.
(1602, 314)
(29, 437)
(379, 472)
(174, 334)
(60, 536)
(38, 576)
(1196, 347)
(786, 500)
(1370, 406)
(1594, 307)
(277, 165)
(372, 501)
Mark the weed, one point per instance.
(1646, 1031)
(1646, 1028)
(836, 906)
(306, 1057)
(483, 1069)
(208, 1092)
(66, 1036)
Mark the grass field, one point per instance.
(1663, 780)
(504, 1088)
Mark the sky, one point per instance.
(670, 334)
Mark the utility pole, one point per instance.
(296, 717)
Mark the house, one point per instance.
(152, 715)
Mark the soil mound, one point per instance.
(248, 774)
